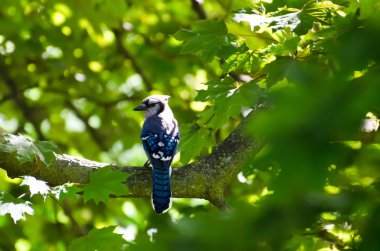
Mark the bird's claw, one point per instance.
(147, 164)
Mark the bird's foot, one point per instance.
(147, 164)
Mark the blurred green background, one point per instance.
(72, 71)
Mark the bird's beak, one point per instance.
(141, 107)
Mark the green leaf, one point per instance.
(288, 47)
(369, 8)
(242, 62)
(26, 150)
(36, 186)
(68, 190)
(229, 97)
(206, 40)
(104, 182)
(320, 10)
(306, 23)
(278, 70)
(215, 88)
(103, 239)
(184, 34)
(194, 140)
(210, 27)
(17, 208)
(47, 150)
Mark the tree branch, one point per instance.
(9, 96)
(206, 178)
(127, 55)
(17, 97)
(197, 7)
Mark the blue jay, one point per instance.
(160, 137)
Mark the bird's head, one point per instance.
(153, 105)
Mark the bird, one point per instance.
(160, 136)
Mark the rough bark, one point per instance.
(206, 178)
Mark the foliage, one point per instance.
(72, 71)
(103, 183)
(15, 207)
(35, 186)
(99, 239)
(27, 150)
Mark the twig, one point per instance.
(197, 7)
(92, 131)
(6, 98)
(17, 97)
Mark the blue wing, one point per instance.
(160, 150)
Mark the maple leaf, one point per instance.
(103, 239)
(104, 182)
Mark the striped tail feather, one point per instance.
(161, 194)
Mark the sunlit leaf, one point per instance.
(68, 190)
(17, 208)
(242, 62)
(278, 22)
(228, 97)
(36, 186)
(278, 70)
(298, 20)
(27, 150)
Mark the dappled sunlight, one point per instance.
(332, 189)
(301, 78)
(72, 122)
(129, 233)
(198, 106)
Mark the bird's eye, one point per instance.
(147, 104)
